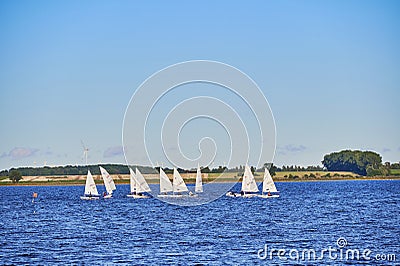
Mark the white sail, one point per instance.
(249, 183)
(268, 183)
(178, 183)
(199, 183)
(142, 185)
(165, 184)
(108, 181)
(133, 181)
(90, 186)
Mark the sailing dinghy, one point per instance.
(132, 182)
(90, 188)
(249, 185)
(177, 187)
(268, 186)
(165, 184)
(138, 185)
(199, 182)
(108, 183)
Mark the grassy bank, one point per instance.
(395, 172)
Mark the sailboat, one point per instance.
(249, 185)
(90, 188)
(108, 183)
(199, 182)
(165, 184)
(268, 186)
(138, 185)
(178, 184)
(132, 182)
(177, 187)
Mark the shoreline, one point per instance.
(126, 182)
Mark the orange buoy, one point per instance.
(34, 195)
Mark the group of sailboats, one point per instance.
(138, 185)
(91, 192)
(178, 186)
(139, 188)
(250, 188)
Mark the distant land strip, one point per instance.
(284, 176)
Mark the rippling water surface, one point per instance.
(59, 228)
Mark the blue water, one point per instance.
(59, 228)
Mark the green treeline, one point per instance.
(366, 163)
(73, 170)
(94, 169)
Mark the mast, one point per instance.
(133, 182)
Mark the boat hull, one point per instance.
(239, 195)
(172, 196)
(177, 196)
(134, 196)
(89, 198)
(109, 196)
(266, 196)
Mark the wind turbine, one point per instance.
(85, 151)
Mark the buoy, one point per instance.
(34, 196)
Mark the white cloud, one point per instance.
(20, 152)
(290, 148)
(113, 151)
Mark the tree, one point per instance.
(395, 166)
(353, 161)
(220, 169)
(4, 173)
(15, 176)
(271, 168)
(252, 169)
(205, 170)
(380, 171)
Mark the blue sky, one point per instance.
(329, 69)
